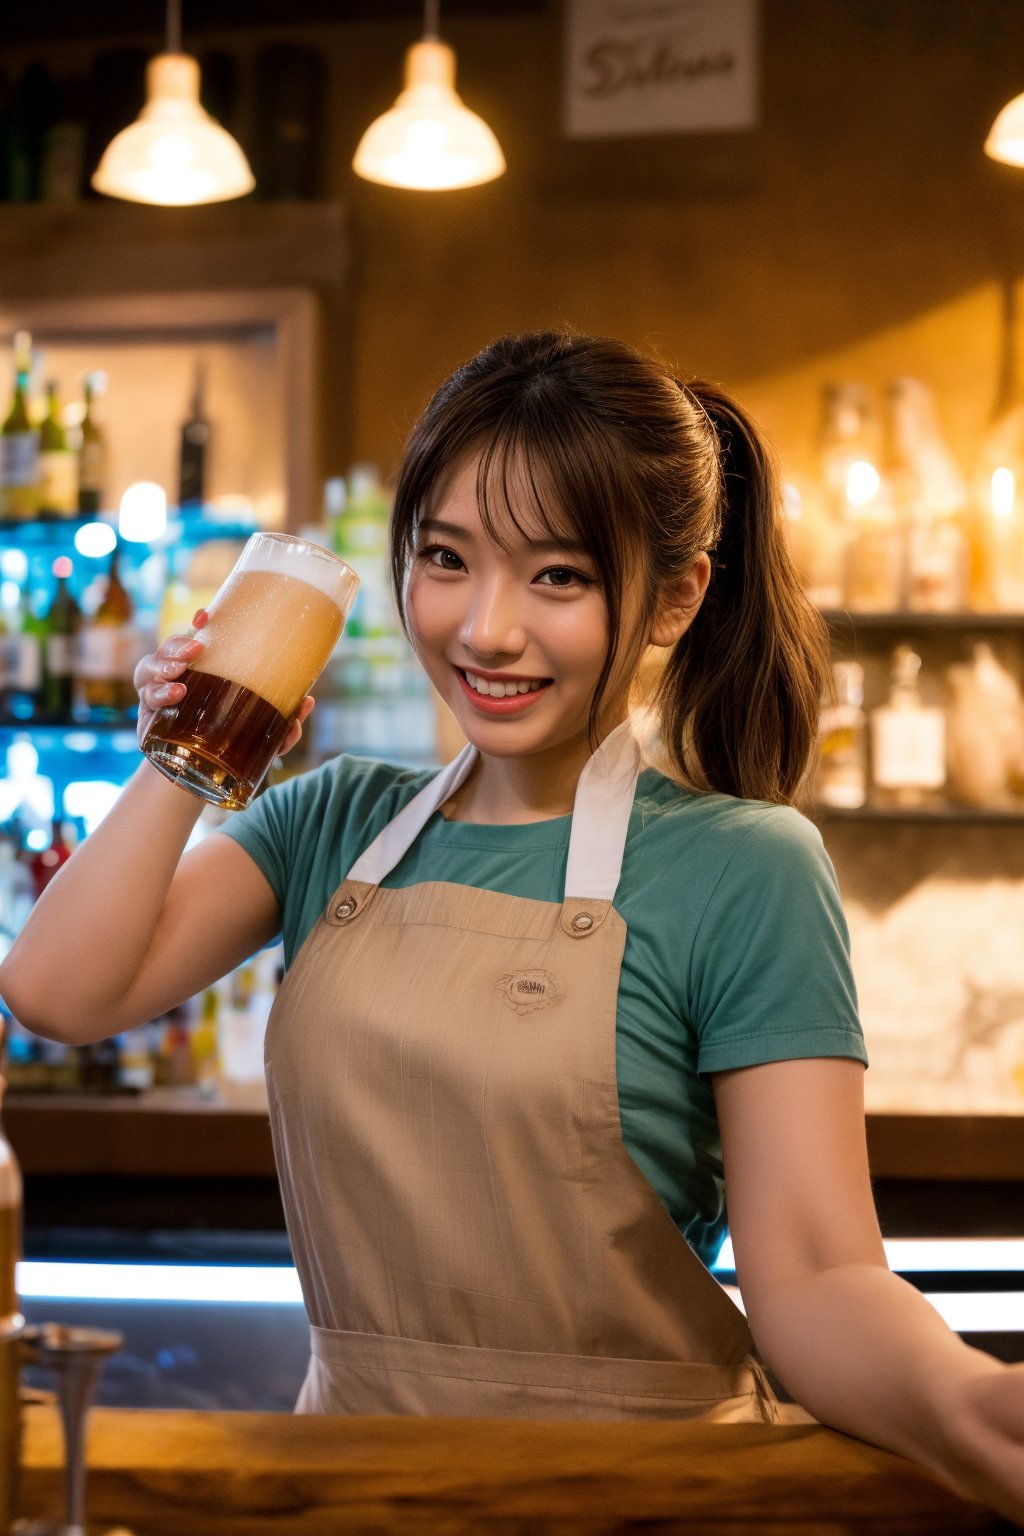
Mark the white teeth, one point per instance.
(499, 690)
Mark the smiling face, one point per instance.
(513, 635)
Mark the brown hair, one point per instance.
(645, 472)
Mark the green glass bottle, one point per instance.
(19, 444)
(63, 619)
(58, 465)
(92, 452)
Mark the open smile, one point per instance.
(501, 695)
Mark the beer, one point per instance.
(271, 628)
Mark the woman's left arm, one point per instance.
(858, 1347)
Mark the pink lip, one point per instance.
(498, 677)
(513, 705)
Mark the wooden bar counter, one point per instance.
(218, 1474)
(168, 1133)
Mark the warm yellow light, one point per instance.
(429, 141)
(862, 483)
(1004, 492)
(1006, 136)
(174, 154)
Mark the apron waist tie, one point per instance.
(410, 1376)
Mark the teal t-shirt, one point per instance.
(737, 950)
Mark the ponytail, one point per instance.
(740, 695)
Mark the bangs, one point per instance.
(565, 488)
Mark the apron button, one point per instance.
(583, 922)
(345, 908)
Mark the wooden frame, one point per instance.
(292, 313)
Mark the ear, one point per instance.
(679, 603)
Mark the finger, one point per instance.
(158, 694)
(169, 660)
(294, 735)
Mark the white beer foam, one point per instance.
(281, 557)
(270, 633)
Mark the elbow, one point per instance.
(31, 1001)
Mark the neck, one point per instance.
(504, 791)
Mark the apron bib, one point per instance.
(472, 1238)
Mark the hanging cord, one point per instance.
(173, 26)
(432, 20)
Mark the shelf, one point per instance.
(945, 815)
(58, 534)
(923, 623)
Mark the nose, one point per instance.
(492, 624)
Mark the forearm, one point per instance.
(88, 935)
(865, 1353)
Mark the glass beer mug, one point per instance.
(271, 628)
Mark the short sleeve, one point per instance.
(771, 978)
(271, 829)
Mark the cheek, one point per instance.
(429, 615)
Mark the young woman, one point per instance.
(544, 1009)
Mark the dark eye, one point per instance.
(438, 554)
(564, 576)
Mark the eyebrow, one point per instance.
(543, 546)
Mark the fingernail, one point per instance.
(171, 668)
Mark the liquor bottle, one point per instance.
(17, 893)
(98, 1066)
(92, 451)
(58, 468)
(847, 439)
(63, 619)
(23, 663)
(19, 444)
(929, 496)
(855, 498)
(11, 1326)
(135, 1070)
(195, 436)
(361, 532)
(908, 738)
(841, 778)
(205, 1045)
(816, 543)
(49, 861)
(109, 645)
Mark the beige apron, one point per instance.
(472, 1238)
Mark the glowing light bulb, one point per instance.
(863, 483)
(94, 540)
(143, 512)
(1004, 492)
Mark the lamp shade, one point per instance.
(1006, 136)
(174, 153)
(429, 141)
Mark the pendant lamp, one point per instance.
(429, 141)
(1006, 136)
(174, 154)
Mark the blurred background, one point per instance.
(791, 199)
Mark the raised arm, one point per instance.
(129, 927)
(858, 1347)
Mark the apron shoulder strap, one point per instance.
(600, 817)
(391, 845)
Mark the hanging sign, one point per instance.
(659, 66)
